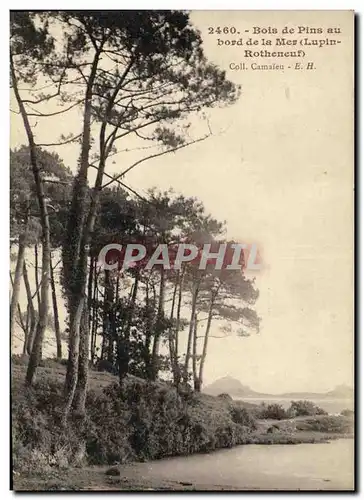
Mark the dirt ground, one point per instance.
(96, 479)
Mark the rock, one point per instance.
(113, 471)
(273, 429)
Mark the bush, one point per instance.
(240, 415)
(139, 421)
(273, 411)
(305, 409)
(39, 441)
(329, 424)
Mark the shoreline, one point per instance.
(140, 477)
(139, 425)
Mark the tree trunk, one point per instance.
(195, 291)
(26, 331)
(37, 284)
(33, 319)
(93, 311)
(16, 285)
(196, 384)
(82, 278)
(178, 321)
(117, 286)
(83, 339)
(36, 353)
(55, 313)
(124, 341)
(205, 343)
(158, 327)
(108, 301)
(43, 310)
(73, 357)
(90, 291)
(82, 382)
(148, 331)
(36, 275)
(75, 249)
(81, 235)
(171, 336)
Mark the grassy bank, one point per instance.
(140, 422)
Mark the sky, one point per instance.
(279, 170)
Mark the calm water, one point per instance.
(304, 466)
(329, 405)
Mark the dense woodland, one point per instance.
(136, 78)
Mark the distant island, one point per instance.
(235, 388)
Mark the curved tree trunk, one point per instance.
(84, 241)
(80, 237)
(43, 311)
(16, 284)
(74, 251)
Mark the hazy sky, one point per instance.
(279, 170)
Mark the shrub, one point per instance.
(138, 421)
(106, 432)
(240, 415)
(329, 424)
(272, 411)
(39, 441)
(305, 409)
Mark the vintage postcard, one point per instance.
(182, 263)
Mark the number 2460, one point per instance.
(225, 30)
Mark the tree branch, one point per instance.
(123, 185)
(56, 112)
(72, 139)
(161, 153)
